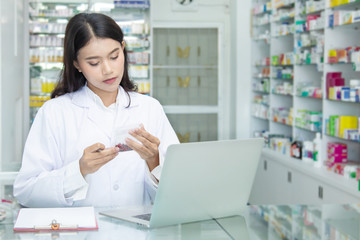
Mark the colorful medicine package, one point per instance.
(120, 135)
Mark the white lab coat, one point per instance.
(68, 124)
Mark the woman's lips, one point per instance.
(110, 81)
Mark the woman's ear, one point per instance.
(76, 65)
(123, 45)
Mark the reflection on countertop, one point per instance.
(305, 222)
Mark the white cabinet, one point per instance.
(285, 180)
(187, 78)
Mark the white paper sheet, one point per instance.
(82, 217)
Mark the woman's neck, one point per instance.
(108, 98)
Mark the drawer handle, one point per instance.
(167, 81)
(167, 51)
(183, 53)
(199, 51)
(265, 165)
(289, 177)
(184, 83)
(199, 81)
(321, 192)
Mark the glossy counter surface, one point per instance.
(266, 222)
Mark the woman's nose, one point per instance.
(106, 68)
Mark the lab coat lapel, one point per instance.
(102, 119)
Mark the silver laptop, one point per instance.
(200, 181)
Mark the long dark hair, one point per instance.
(79, 30)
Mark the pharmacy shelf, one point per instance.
(47, 11)
(338, 37)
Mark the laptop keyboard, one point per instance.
(145, 217)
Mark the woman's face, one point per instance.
(101, 61)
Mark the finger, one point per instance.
(106, 159)
(95, 147)
(139, 148)
(138, 137)
(142, 132)
(104, 153)
(149, 146)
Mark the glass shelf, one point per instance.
(312, 13)
(261, 118)
(46, 47)
(286, 65)
(283, 36)
(281, 94)
(184, 67)
(307, 97)
(347, 6)
(259, 91)
(283, 19)
(353, 141)
(50, 17)
(285, 124)
(261, 13)
(355, 26)
(283, 79)
(306, 129)
(262, 25)
(46, 33)
(340, 101)
(290, 5)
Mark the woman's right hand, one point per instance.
(95, 156)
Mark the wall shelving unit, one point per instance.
(309, 48)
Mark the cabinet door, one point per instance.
(268, 186)
(194, 127)
(308, 190)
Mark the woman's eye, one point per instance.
(93, 64)
(114, 58)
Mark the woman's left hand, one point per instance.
(149, 149)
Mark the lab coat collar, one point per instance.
(102, 119)
(82, 99)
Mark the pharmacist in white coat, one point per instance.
(72, 156)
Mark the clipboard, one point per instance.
(56, 219)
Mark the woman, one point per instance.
(71, 157)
